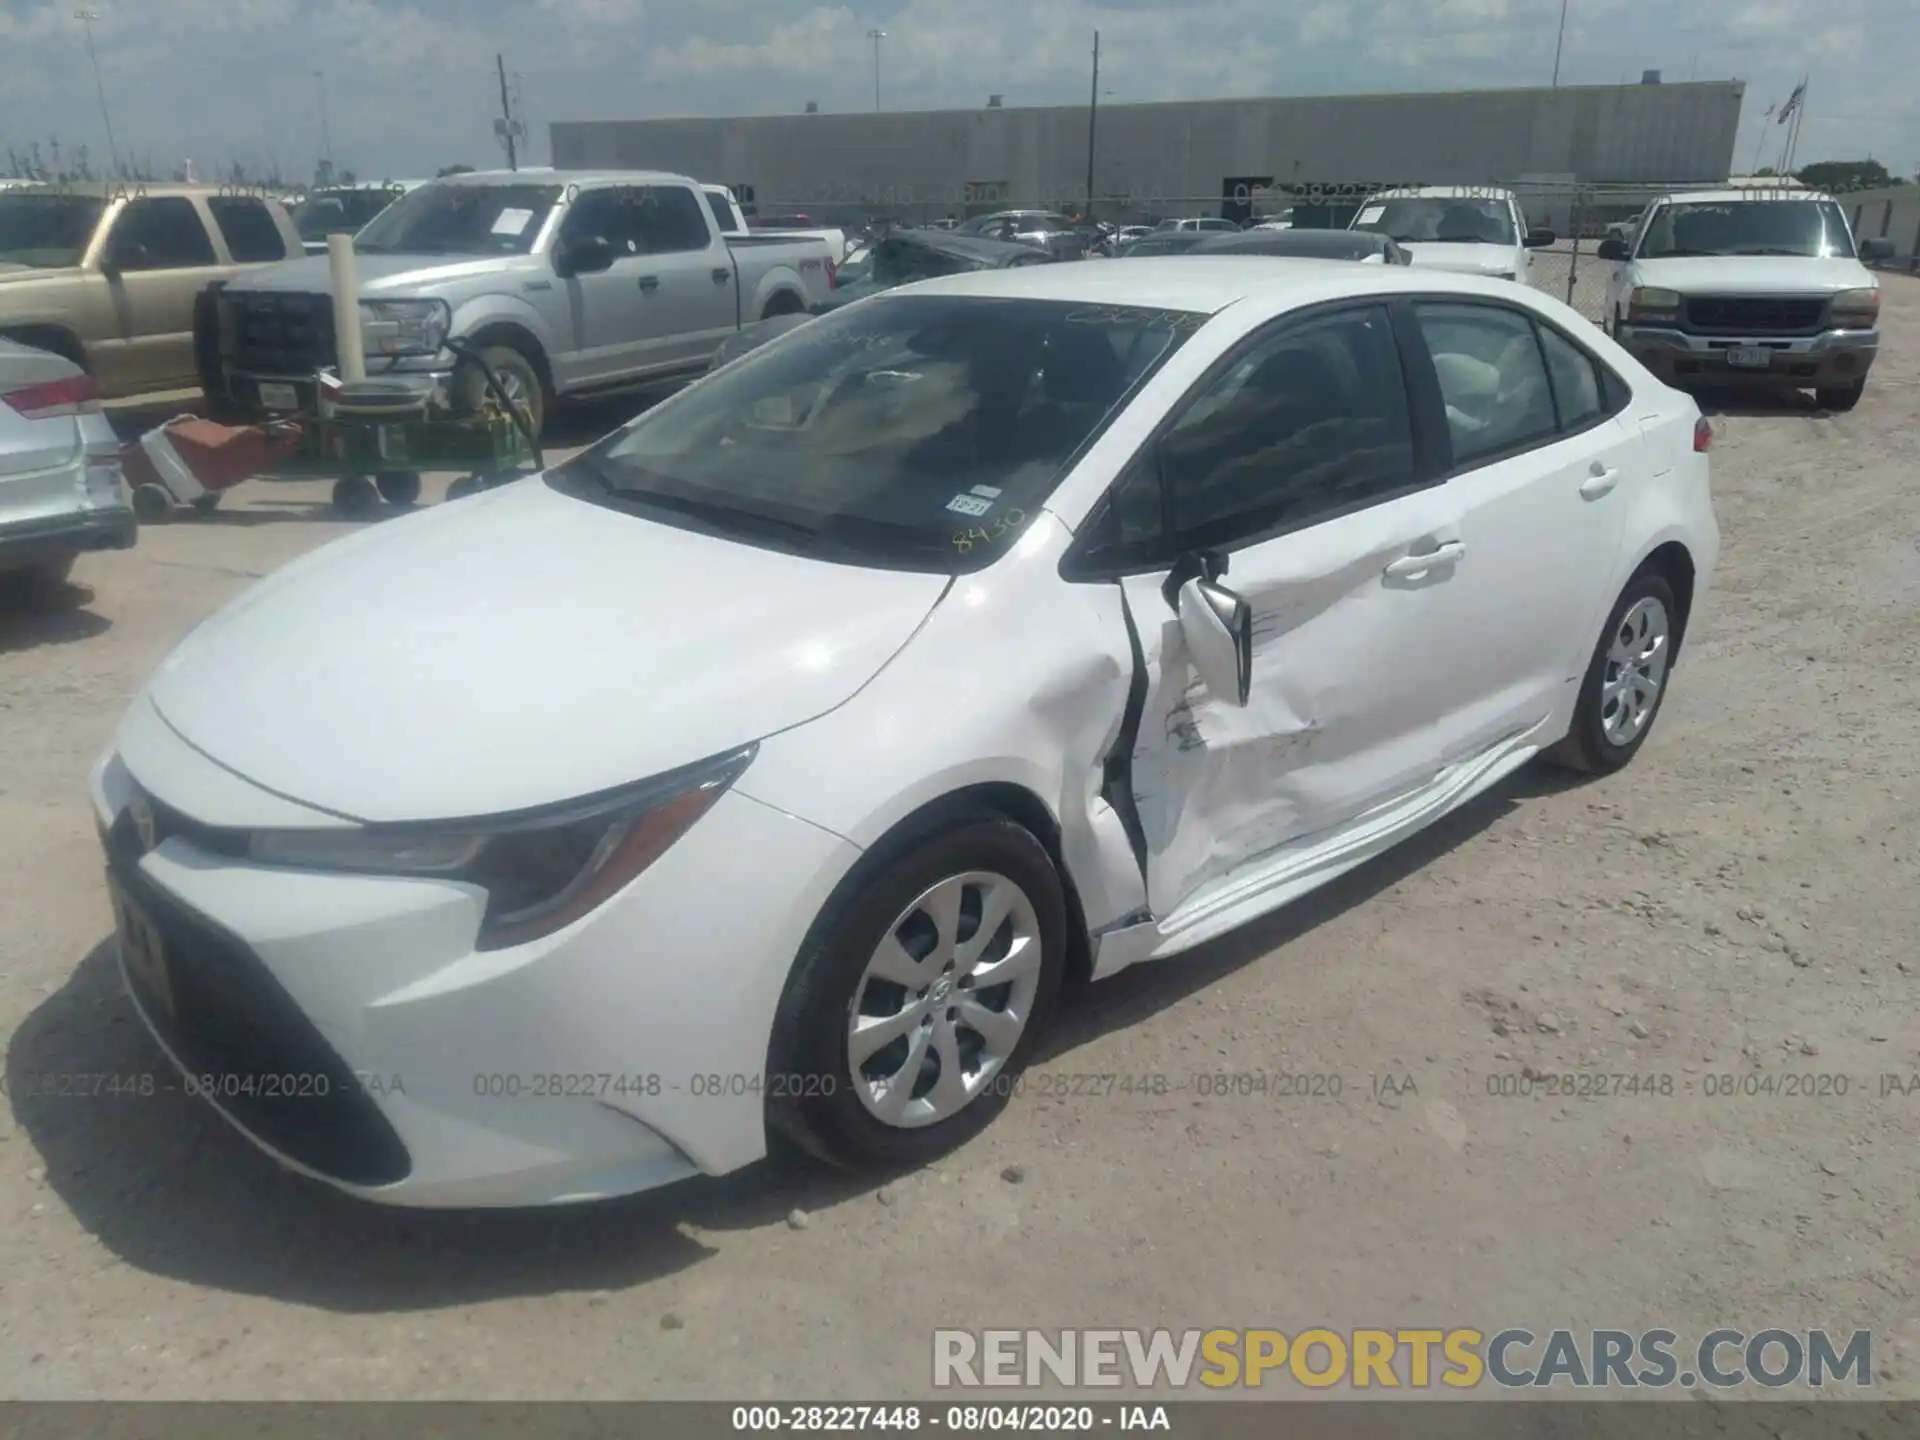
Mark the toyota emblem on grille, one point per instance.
(143, 822)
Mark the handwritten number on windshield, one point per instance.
(997, 529)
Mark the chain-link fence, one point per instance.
(1579, 217)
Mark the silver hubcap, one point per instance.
(944, 999)
(1636, 669)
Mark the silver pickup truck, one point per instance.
(569, 283)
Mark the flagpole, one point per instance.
(1799, 119)
(1760, 149)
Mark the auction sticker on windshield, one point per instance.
(970, 504)
(511, 222)
(1371, 214)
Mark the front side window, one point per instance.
(1492, 378)
(161, 234)
(340, 212)
(1309, 424)
(667, 220)
(918, 432)
(1439, 220)
(41, 229)
(451, 218)
(1810, 228)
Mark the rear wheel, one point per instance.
(1625, 681)
(41, 584)
(152, 504)
(918, 998)
(1840, 397)
(355, 497)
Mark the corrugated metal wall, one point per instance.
(1668, 134)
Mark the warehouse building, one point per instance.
(1204, 156)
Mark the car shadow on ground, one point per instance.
(1763, 404)
(167, 1187)
(29, 621)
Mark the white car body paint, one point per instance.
(1513, 262)
(528, 648)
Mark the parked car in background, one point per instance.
(1196, 222)
(1282, 221)
(345, 209)
(903, 258)
(1163, 242)
(1367, 248)
(107, 276)
(1061, 237)
(61, 488)
(734, 224)
(568, 283)
(1763, 289)
(686, 771)
(1469, 229)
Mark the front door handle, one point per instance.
(1601, 478)
(720, 277)
(649, 282)
(1450, 553)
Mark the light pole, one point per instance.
(1560, 44)
(1093, 120)
(86, 18)
(326, 130)
(876, 36)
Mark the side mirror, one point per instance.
(583, 255)
(1613, 248)
(1540, 239)
(1878, 248)
(1218, 628)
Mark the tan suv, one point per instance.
(107, 275)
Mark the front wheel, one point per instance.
(1840, 397)
(915, 1004)
(517, 376)
(1626, 679)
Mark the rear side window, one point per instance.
(1492, 378)
(163, 233)
(668, 220)
(722, 212)
(1577, 390)
(247, 227)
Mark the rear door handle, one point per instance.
(649, 282)
(1601, 478)
(1451, 553)
(720, 277)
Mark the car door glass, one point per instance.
(1576, 381)
(248, 228)
(604, 213)
(667, 220)
(161, 233)
(1492, 378)
(1308, 424)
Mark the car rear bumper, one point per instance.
(48, 537)
(1831, 358)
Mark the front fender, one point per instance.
(494, 308)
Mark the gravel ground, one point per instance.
(1741, 902)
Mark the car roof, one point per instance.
(1443, 192)
(1208, 284)
(141, 189)
(566, 177)
(1749, 194)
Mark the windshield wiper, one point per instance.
(1776, 250)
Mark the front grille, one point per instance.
(1754, 315)
(242, 1037)
(280, 334)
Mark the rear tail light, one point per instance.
(54, 398)
(833, 274)
(1702, 435)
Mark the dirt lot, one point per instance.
(1741, 902)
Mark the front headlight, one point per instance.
(543, 869)
(1857, 309)
(403, 327)
(1650, 303)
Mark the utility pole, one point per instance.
(1093, 120)
(326, 129)
(1560, 45)
(86, 18)
(505, 123)
(876, 36)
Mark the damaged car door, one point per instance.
(1289, 480)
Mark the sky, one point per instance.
(410, 85)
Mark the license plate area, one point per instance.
(143, 950)
(278, 397)
(1750, 357)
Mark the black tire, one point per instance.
(811, 1093)
(355, 497)
(1840, 397)
(466, 485)
(152, 504)
(45, 584)
(471, 391)
(1586, 748)
(208, 503)
(399, 487)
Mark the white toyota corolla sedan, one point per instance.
(763, 770)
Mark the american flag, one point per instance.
(1793, 102)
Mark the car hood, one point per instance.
(520, 648)
(1753, 275)
(1463, 259)
(379, 274)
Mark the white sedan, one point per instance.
(765, 768)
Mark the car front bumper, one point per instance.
(1831, 358)
(255, 393)
(346, 1025)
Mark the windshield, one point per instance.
(1813, 228)
(456, 219)
(339, 212)
(47, 231)
(916, 432)
(1439, 220)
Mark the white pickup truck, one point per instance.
(732, 221)
(1756, 288)
(569, 283)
